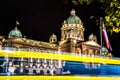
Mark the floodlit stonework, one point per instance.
(72, 42)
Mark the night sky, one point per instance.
(40, 18)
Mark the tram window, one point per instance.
(16, 62)
(16, 71)
(1, 61)
(1, 68)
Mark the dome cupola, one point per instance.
(73, 19)
(72, 27)
(53, 38)
(15, 33)
(104, 51)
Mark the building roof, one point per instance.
(53, 35)
(62, 42)
(73, 19)
(15, 33)
(92, 43)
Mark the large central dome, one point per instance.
(73, 19)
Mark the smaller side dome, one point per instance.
(53, 38)
(104, 50)
(15, 33)
(92, 37)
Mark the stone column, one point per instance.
(21, 65)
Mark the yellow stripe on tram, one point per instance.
(25, 54)
(57, 78)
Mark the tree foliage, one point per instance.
(112, 11)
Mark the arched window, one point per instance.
(34, 72)
(26, 71)
(48, 72)
(41, 72)
(54, 72)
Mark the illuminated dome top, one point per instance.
(53, 35)
(15, 33)
(73, 19)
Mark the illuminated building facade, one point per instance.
(72, 42)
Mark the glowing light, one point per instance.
(62, 56)
(58, 78)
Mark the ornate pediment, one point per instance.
(91, 43)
